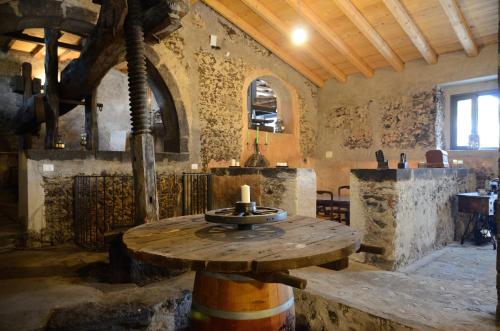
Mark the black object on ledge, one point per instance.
(381, 162)
(402, 161)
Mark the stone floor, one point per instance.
(65, 288)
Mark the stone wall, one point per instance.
(46, 190)
(397, 112)
(408, 212)
(213, 83)
(109, 197)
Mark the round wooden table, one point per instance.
(239, 273)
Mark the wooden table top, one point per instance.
(337, 200)
(191, 242)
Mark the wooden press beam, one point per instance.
(460, 26)
(265, 41)
(282, 27)
(51, 86)
(327, 32)
(370, 33)
(408, 25)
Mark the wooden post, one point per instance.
(91, 129)
(141, 142)
(51, 86)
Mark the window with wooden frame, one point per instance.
(475, 121)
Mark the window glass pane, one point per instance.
(487, 121)
(464, 121)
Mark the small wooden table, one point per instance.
(236, 263)
(482, 208)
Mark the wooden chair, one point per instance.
(323, 211)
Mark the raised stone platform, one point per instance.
(292, 189)
(409, 212)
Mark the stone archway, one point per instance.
(173, 106)
(283, 147)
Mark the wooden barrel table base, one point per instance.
(240, 278)
(234, 302)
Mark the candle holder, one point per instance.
(257, 160)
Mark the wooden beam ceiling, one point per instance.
(370, 33)
(317, 23)
(401, 15)
(285, 30)
(7, 44)
(460, 26)
(264, 41)
(38, 40)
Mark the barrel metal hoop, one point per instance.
(242, 315)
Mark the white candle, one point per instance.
(237, 163)
(233, 162)
(245, 193)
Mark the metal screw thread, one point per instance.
(136, 63)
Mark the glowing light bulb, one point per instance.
(299, 36)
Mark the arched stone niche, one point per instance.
(166, 92)
(282, 147)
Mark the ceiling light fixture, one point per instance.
(299, 35)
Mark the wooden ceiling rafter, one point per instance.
(281, 27)
(460, 26)
(326, 32)
(408, 25)
(7, 45)
(359, 20)
(264, 41)
(36, 50)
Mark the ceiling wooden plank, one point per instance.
(317, 23)
(281, 26)
(370, 33)
(401, 15)
(460, 26)
(264, 41)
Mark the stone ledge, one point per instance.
(383, 300)
(63, 155)
(267, 172)
(380, 175)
